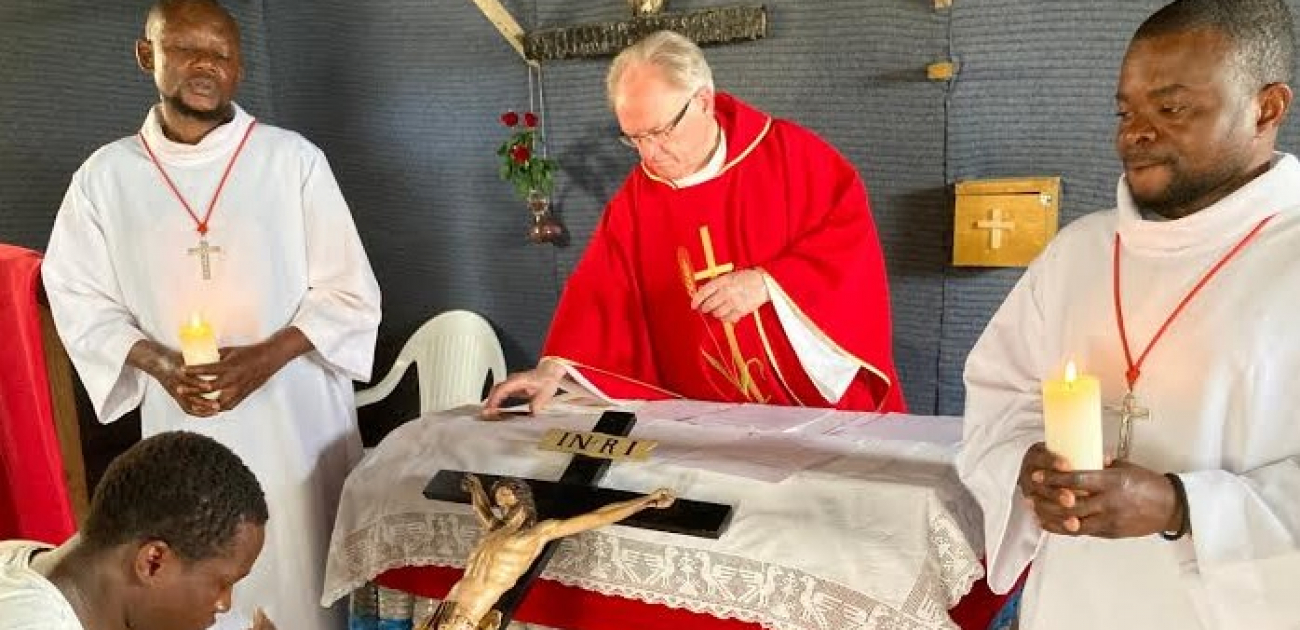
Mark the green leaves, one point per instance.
(522, 166)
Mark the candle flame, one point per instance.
(1071, 372)
(196, 320)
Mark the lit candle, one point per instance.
(198, 343)
(1072, 418)
(199, 346)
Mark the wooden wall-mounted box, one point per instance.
(1004, 222)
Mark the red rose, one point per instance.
(510, 119)
(530, 120)
(520, 154)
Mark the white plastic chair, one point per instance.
(454, 353)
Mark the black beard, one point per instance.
(1186, 194)
(221, 114)
(1175, 201)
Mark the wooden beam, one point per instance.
(717, 25)
(505, 24)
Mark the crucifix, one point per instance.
(204, 251)
(743, 379)
(1128, 410)
(715, 25)
(577, 493)
(995, 224)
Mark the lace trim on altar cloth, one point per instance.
(718, 584)
(378, 608)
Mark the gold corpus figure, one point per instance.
(509, 545)
(736, 370)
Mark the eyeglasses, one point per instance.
(659, 135)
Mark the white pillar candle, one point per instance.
(1072, 419)
(199, 345)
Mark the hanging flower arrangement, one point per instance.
(529, 172)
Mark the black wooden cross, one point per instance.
(576, 493)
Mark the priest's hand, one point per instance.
(538, 385)
(168, 368)
(242, 370)
(1123, 500)
(732, 296)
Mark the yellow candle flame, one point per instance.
(196, 320)
(1071, 372)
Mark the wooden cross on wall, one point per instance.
(716, 25)
(576, 493)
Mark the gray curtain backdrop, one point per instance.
(404, 95)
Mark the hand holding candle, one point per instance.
(1072, 419)
(199, 346)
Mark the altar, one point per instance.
(842, 520)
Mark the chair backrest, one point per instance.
(454, 354)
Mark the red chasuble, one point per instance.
(786, 203)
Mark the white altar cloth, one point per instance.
(871, 530)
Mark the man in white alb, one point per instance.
(207, 212)
(1180, 301)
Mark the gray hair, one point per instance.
(678, 58)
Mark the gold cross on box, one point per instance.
(996, 224)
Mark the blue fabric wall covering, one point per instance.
(404, 95)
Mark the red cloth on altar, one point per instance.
(34, 501)
(555, 605)
(785, 202)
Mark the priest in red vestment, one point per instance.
(738, 262)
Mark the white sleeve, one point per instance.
(1003, 418)
(32, 609)
(90, 314)
(340, 314)
(828, 369)
(1246, 538)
